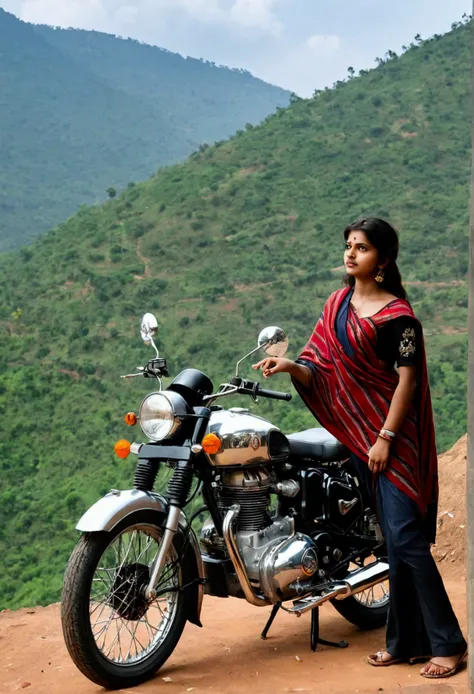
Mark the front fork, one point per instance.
(171, 527)
(178, 490)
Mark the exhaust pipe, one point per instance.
(233, 550)
(365, 578)
(356, 582)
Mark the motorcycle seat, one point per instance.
(317, 444)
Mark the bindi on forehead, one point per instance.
(358, 238)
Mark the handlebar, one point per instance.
(273, 394)
(246, 387)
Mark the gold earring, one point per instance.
(379, 277)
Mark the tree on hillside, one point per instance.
(294, 98)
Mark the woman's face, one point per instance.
(360, 257)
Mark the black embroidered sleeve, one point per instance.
(407, 346)
(399, 341)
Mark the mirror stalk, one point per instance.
(154, 346)
(249, 355)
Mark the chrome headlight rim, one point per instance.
(175, 422)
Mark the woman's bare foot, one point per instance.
(440, 666)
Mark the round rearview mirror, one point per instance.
(148, 327)
(273, 341)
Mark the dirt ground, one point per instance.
(228, 656)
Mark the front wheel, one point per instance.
(114, 636)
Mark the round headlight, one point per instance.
(158, 417)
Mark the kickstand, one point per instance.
(315, 633)
(273, 614)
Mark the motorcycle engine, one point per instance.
(276, 559)
(251, 490)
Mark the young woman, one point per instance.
(363, 375)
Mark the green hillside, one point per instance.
(204, 101)
(244, 234)
(83, 111)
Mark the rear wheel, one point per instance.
(114, 636)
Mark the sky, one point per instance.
(301, 45)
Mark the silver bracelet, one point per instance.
(389, 433)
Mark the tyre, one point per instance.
(367, 610)
(113, 635)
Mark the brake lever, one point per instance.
(141, 369)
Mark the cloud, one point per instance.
(257, 14)
(201, 9)
(250, 14)
(109, 15)
(13, 6)
(127, 15)
(312, 64)
(87, 14)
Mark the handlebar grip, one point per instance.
(273, 394)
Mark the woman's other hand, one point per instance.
(379, 455)
(273, 365)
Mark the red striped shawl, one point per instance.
(351, 396)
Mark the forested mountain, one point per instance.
(244, 234)
(82, 111)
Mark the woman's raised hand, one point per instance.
(273, 365)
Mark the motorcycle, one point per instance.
(286, 527)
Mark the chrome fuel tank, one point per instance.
(246, 439)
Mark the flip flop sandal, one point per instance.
(449, 671)
(376, 660)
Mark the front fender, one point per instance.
(106, 513)
(115, 506)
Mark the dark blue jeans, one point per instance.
(421, 620)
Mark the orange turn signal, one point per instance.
(211, 443)
(130, 419)
(122, 448)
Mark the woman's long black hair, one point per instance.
(385, 239)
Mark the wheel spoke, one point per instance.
(149, 626)
(103, 604)
(101, 631)
(132, 642)
(145, 550)
(116, 639)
